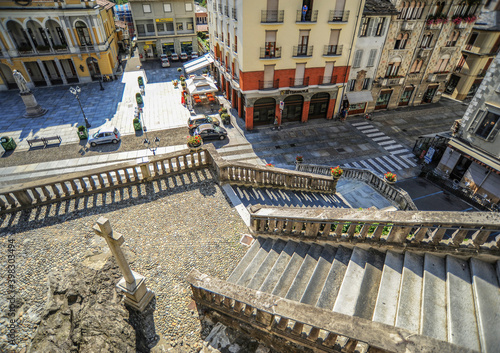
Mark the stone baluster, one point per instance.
(351, 230)
(46, 192)
(83, 184)
(170, 166)
(238, 306)
(136, 174)
(227, 302)
(109, 176)
(264, 318)
(297, 328)
(55, 190)
(438, 234)
(364, 230)
(92, 182)
(313, 334)
(65, 189)
(339, 229)
(186, 162)
(23, 198)
(481, 236)
(289, 225)
(398, 234)
(10, 200)
(378, 232)
(298, 228)
(282, 324)
(327, 229)
(102, 183)
(420, 233)
(330, 340)
(248, 310)
(36, 195)
(218, 299)
(74, 186)
(459, 236)
(3, 205)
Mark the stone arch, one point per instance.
(82, 32)
(18, 34)
(37, 34)
(264, 111)
(293, 108)
(7, 77)
(56, 33)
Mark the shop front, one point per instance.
(187, 47)
(168, 48)
(358, 101)
(292, 110)
(429, 94)
(319, 105)
(264, 111)
(383, 99)
(406, 96)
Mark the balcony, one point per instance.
(408, 26)
(328, 80)
(338, 16)
(424, 52)
(226, 10)
(310, 17)
(233, 12)
(392, 81)
(272, 16)
(332, 50)
(437, 77)
(270, 53)
(302, 51)
(299, 82)
(269, 85)
(414, 76)
(220, 9)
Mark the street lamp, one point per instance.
(75, 91)
(153, 148)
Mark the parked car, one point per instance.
(175, 57)
(163, 56)
(195, 121)
(165, 62)
(194, 55)
(184, 56)
(210, 131)
(108, 134)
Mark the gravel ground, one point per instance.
(171, 226)
(170, 137)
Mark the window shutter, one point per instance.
(357, 58)
(479, 116)
(371, 26)
(371, 58)
(494, 132)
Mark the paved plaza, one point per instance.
(114, 105)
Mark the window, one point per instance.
(461, 63)
(442, 63)
(417, 65)
(366, 83)
(419, 10)
(371, 25)
(167, 7)
(357, 58)
(146, 8)
(371, 58)
(180, 26)
(489, 126)
(453, 39)
(380, 27)
(392, 69)
(404, 9)
(411, 9)
(270, 44)
(188, 7)
(426, 40)
(83, 33)
(160, 27)
(352, 85)
(471, 41)
(364, 27)
(141, 29)
(401, 41)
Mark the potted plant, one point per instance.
(138, 98)
(194, 142)
(390, 178)
(299, 159)
(269, 165)
(336, 172)
(222, 111)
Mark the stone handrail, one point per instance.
(271, 314)
(436, 230)
(391, 192)
(40, 192)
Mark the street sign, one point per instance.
(429, 155)
(282, 105)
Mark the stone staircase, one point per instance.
(448, 298)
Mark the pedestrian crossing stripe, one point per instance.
(360, 124)
(381, 138)
(376, 134)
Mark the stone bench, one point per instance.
(44, 140)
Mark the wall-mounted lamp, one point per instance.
(81, 67)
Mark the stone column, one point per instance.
(137, 295)
(30, 40)
(46, 31)
(61, 71)
(4, 50)
(249, 118)
(73, 43)
(305, 111)
(240, 105)
(91, 30)
(44, 72)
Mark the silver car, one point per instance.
(105, 135)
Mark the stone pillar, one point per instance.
(249, 118)
(137, 295)
(46, 31)
(61, 71)
(278, 113)
(240, 105)
(33, 109)
(91, 30)
(44, 72)
(72, 43)
(227, 90)
(234, 98)
(4, 49)
(331, 109)
(30, 40)
(305, 111)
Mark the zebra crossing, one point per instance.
(399, 158)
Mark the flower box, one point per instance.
(336, 172)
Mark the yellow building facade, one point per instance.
(57, 42)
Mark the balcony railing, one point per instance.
(299, 82)
(270, 53)
(437, 77)
(338, 16)
(328, 80)
(272, 16)
(311, 16)
(264, 85)
(226, 10)
(220, 9)
(332, 50)
(302, 50)
(235, 48)
(233, 12)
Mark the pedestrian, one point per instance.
(304, 12)
(276, 126)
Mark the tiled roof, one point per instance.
(105, 3)
(379, 7)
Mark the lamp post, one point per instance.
(153, 148)
(75, 91)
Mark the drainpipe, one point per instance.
(350, 52)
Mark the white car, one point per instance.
(175, 57)
(105, 135)
(194, 55)
(163, 56)
(165, 62)
(184, 56)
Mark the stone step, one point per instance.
(351, 285)
(433, 308)
(245, 261)
(462, 326)
(317, 280)
(487, 299)
(267, 264)
(388, 294)
(334, 279)
(305, 272)
(254, 266)
(369, 287)
(291, 270)
(279, 267)
(410, 292)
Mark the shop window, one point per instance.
(488, 127)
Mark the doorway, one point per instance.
(293, 108)
(319, 105)
(461, 167)
(405, 97)
(94, 70)
(429, 94)
(383, 99)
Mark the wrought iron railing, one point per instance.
(274, 84)
(298, 82)
(310, 16)
(332, 50)
(270, 53)
(302, 50)
(338, 16)
(272, 16)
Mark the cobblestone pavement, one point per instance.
(172, 226)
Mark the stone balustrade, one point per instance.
(391, 192)
(439, 231)
(266, 316)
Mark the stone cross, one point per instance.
(137, 295)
